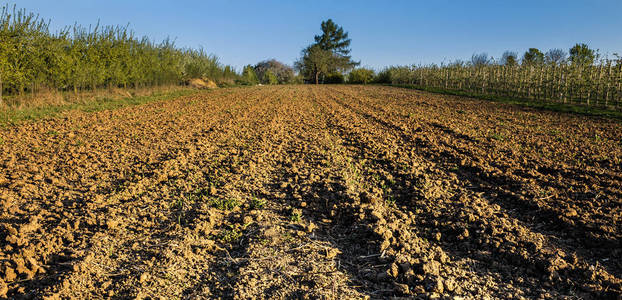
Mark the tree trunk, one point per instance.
(317, 77)
(1, 90)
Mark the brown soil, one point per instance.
(312, 192)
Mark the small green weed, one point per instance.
(390, 200)
(497, 136)
(257, 203)
(296, 215)
(229, 235)
(224, 203)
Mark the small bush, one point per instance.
(383, 76)
(269, 78)
(361, 76)
(335, 78)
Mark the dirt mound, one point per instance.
(202, 84)
(122, 92)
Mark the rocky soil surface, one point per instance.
(313, 192)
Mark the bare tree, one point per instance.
(283, 72)
(480, 59)
(556, 56)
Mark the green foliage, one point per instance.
(257, 203)
(361, 75)
(582, 55)
(333, 38)
(329, 53)
(533, 56)
(284, 73)
(298, 79)
(383, 76)
(295, 215)
(314, 62)
(249, 77)
(75, 58)
(224, 203)
(509, 58)
(269, 78)
(334, 78)
(567, 83)
(229, 235)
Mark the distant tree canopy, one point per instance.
(361, 75)
(533, 56)
(249, 77)
(328, 55)
(555, 56)
(480, 59)
(509, 58)
(282, 72)
(581, 54)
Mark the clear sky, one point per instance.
(383, 32)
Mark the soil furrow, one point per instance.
(312, 192)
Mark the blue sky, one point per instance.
(383, 32)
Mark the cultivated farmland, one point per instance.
(312, 191)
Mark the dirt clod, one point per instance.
(324, 192)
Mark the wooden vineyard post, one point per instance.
(590, 85)
(608, 85)
(599, 96)
(529, 83)
(539, 88)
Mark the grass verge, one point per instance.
(11, 116)
(540, 105)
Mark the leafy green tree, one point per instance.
(383, 76)
(314, 62)
(533, 56)
(283, 72)
(92, 57)
(329, 53)
(581, 54)
(333, 38)
(361, 75)
(249, 77)
(269, 78)
(336, 40)
(334, 78)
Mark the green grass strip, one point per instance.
(540, 105)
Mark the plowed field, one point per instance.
(314, 192)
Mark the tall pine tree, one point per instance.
(329, 54)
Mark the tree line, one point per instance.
(32, 58)
(579, 76)
(75, 58)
